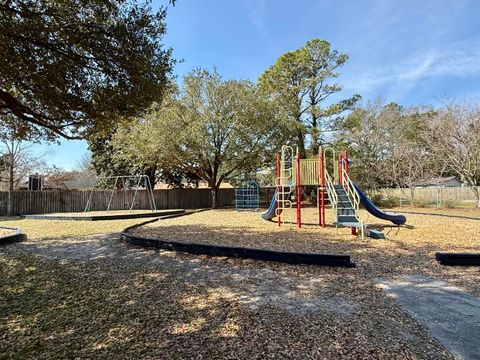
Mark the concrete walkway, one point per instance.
(450, 315)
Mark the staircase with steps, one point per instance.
(346, 214)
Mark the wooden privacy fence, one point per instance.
(63, 201)
(58, 201)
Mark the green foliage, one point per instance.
(386, 202)
(105, 162)
(424, 203)
(212, 128)
(71, 68)
(300, 82)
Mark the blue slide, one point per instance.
(271, 212)
(397, 219)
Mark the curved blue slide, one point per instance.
(271, 212)
(397, 219)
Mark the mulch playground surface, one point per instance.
(406, 250)
(95, 296)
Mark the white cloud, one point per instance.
(396, 80)
(256, 14)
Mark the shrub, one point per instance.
(388, 202)
(449, 204)
(423, 203)
(377, 199)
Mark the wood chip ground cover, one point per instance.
(7, 232)
(78, 296)
(38, 230)
(407, 250)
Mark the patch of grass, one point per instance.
(168, 306)
(116, 299)
(449, 204)
(50, 229)
(388, 202)
(54, 310)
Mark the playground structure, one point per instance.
(247, 198)
(124, 183)
(343, 194)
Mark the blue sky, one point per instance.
(411, 52)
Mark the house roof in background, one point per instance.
(65, 185)
(438, 181)
(201, 185)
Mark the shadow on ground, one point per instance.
(98, 297)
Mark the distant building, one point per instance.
(35, 182)
(450, 181)
(64, 185)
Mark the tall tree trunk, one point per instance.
(214, 184)
(315, 145)
(151, 176)
(10, 187)
(315, 135)
(301, 144)
(476, 190)
(214, 193)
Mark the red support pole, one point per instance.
(322, 185)
(319, 190)
(345, 159)
(340, 169)
(345, 164)
(299, 194)
(319, 206)
(278, 189)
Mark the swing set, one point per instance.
(123, 184)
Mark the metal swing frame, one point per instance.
(125, 179)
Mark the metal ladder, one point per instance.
(284, 182)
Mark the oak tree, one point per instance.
(70, 68)
(211, 128)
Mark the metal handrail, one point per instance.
(349, 188)
(332, 194)
(334, 162)
(353, 196)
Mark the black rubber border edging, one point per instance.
(104, 217)
(235, 252)
(460, 259)
(9, 239)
